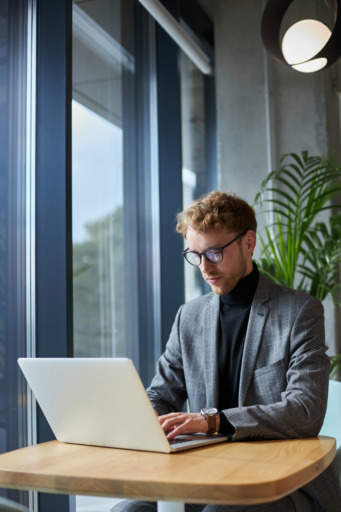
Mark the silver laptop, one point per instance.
(101, 402)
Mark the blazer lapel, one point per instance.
(258, 315)
(211, 332)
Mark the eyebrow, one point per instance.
(208, 248)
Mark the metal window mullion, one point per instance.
(30, 192)
(155, 200)
(30, 219)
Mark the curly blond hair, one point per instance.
(217, 210)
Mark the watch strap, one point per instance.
(212, 423)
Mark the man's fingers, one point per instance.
(174, 424)
(170, 421)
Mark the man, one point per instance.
(252, 352)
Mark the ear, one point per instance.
(250, 240)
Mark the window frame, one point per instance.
(53, 268)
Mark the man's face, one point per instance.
(237, 257)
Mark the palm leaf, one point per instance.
(297, 249)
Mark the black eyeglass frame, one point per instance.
(201, 254)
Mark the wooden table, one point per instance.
(227, 473)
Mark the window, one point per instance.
(14, 278)
(103, 69)
(194, 173)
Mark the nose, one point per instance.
(205, 265)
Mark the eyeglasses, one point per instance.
(214, 255)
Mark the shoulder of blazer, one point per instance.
(268, 290)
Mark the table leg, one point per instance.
(170, 506)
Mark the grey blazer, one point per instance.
(284, 372)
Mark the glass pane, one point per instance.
(102, 66)
(194, 171)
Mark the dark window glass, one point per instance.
(13, 427)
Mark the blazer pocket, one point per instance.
(268, 383)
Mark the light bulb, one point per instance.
(302, 41)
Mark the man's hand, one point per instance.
(177, 423)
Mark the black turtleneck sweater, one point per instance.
(234, 316)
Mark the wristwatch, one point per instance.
(210, 414)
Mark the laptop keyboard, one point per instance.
(183, 438)
(176, 440)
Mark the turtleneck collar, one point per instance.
(244, 290)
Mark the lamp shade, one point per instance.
(307, 46)
(302, 41)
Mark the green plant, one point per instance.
(298, 248)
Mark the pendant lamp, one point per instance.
(307, 46)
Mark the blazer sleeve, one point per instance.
(287, 398)
(167, 391)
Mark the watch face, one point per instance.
(210, 411)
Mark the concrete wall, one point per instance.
(266, 109)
